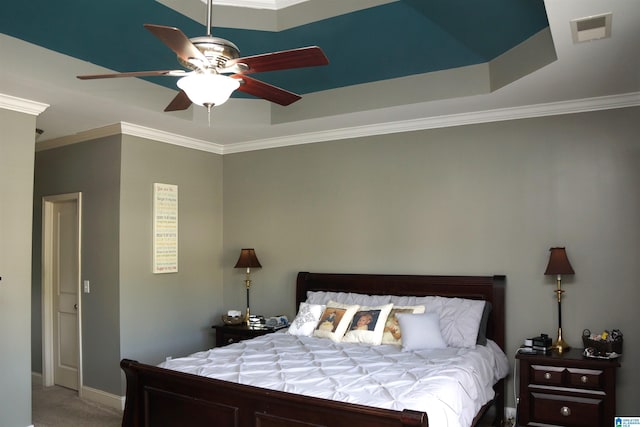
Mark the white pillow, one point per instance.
(420, 331)
(306, 320)
(368, 324)
(459, 319)
(322, 297)
(392, 333)
(335, 320)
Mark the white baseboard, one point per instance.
(103, 398)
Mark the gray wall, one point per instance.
(131, 312)
(17, 139)
(481, 199)
(169, 314)
(92, 168)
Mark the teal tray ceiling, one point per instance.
(398, 39)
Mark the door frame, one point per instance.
(48, 203)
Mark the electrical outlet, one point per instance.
(509, 417)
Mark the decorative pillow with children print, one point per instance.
(367, 325)
(392, 334)
(335, 320)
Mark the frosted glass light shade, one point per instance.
(208, 89)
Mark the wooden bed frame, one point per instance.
(158, 397)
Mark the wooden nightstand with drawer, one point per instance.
(229, 334)
(566, 390)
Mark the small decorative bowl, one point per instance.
(232, 320)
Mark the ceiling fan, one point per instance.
(216, 68)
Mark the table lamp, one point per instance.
(248, 260)
(558, 265)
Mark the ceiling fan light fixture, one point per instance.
(208, 89)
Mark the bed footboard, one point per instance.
(158, 397)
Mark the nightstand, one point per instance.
(566, 390)
(229, 334)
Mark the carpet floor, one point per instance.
(61, 407)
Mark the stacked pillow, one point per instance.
(368, 324)
(307, 319)
(421, 331)
(335, 320)
(392, 330)
(413, 322)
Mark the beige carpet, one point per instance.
(61, 407)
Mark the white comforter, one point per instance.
(449, 384)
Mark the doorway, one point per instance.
(61, 302)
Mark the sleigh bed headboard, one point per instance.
(487, 288)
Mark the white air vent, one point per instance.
(591, 28)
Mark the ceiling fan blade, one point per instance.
(180, 102)
(311, 56)
(176, 40)
(134, 74)
(266, 91)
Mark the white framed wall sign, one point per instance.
(165, 228)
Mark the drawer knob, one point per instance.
(565, 411)
(547, 375)
(584, 379)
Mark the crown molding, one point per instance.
(124, 128)
(21, 105)
(501, 114)
(170, 138)
(89, 135)
(451, 120)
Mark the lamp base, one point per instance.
(560, 346)
(247, 317)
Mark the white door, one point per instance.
(65, 294)
(61, 284)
